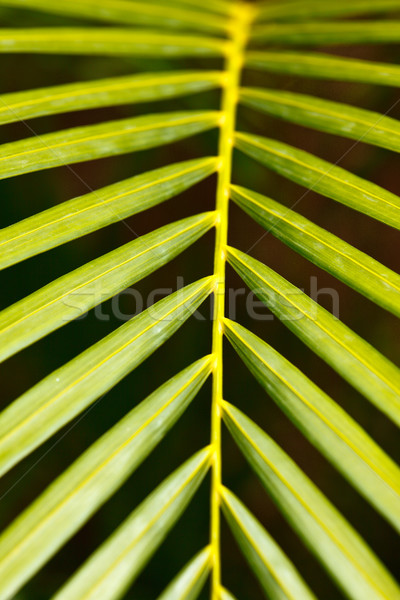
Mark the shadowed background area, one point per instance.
(32, 193)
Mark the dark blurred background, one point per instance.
(32, 193)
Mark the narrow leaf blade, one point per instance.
(324, 115)
(332, 33)
(189, 582)
(276, 573)
(357, 269)
(323, 177)
(324, 66)
(223, 7)
(313, 9)
(73, 497)
(353, 358)
(72, 295)
(114, 91)
(82, 215)
(347, 558)
(98, 141)
(130, 13)
(66, 392)
(225, 595)
(108, 42)
(114, 566)
(324, 423)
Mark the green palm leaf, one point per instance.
(123, 555)
(322, 177)
(92, 211)
(357, 361)
(311, 9)
(97, 141)
(73, 294)
(130, 12)
(108, 42)
(276, 573)
(355, 268)
(323, 422)
(335, 33)
(343, 553)
(119, 53)
(188, 583)
(324, 66)
(76, 494)
(104, 92)
(62, 395)
(324, 115)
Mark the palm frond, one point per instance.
(169, 50)
(105, 92)
(71, 499)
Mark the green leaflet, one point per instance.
(225, 595)
(143, 87)
(98, 141)
(79, 216)
(322, 528)
(323, 177)
(357, 269)
(66, 392)
(189, 582)
(73, 497)
(314, 9)
(127, 12)
(110, 570)
(108, 42)
(324, 115)
(358, 362)
(71, 295)
(324, 423)
(223, 7)
(339, 32)
(276, 573)
(324, 66)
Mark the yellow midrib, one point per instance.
(244, 14)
